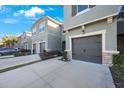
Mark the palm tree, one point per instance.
(6, 41)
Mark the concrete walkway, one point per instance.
(54, 73)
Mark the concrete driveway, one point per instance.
(54, 73)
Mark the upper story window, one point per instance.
(80, 8)
(121, 12)
(42, 27)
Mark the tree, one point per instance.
(14, 40)
(9, 41)
(6, 41)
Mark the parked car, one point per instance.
(8, 51)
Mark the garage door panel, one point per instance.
(87, 49)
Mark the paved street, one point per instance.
(54, 73)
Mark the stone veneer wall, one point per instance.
(107, 58)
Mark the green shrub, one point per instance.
(24, 53)
(118, 60)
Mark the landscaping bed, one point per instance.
(50, 54)
(117, 70)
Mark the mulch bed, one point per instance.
(118, 76)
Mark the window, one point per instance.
(42, 27)
(79, 8)
(91, 6)
(74, 10)
(121, 15)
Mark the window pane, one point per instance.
(122, 14)
(122, 8)
(74, 10)
(91, 6)
(82, 7)
(42, 27)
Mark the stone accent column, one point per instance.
(69, 54)
(107, 58)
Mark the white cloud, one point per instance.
(21, 11)
(31, 12)
(50, 9)
(9, 21)
(59, 19)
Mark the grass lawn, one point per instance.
(118, 76)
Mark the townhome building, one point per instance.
(91, 32)
(46, 35)
(120, 30)
(25, 41)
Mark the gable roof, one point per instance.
(46, 18)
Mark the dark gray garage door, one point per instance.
(87, 49)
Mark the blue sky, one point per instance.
(16, 19)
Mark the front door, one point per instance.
(34, 48)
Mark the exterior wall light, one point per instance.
(109, 20)
(83, 28)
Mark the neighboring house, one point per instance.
(91, 32)
(120, 29)
(25, 41)
(46, 35)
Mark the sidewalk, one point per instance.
(10, 62)
(9, 56)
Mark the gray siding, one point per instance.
(54, 38)
(94, 13)
(54, 42)
(111, 33)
